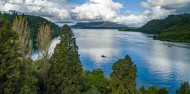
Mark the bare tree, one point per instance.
(20, 25)
(43, 43)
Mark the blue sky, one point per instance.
(128, 12)
(132, 5)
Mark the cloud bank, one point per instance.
(97, 10)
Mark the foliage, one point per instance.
(123, 77)
(95, 80)
(92, 90)
(157, 26)
(184, 89)
(43, 43)
(34, 23)
(20, 75)
(180, 33)
(16, 73)
(175, 28)
(65, 72)
(9, 62)
(152, 90)
(20, 25)
(27, 81)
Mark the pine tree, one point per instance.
(184, 89)
(163, 91)
(123, 77)
(9, 62)
(65, 71)
(96, 79)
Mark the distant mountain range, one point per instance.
(98, 25)
(174, 28)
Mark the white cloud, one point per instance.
(158, 9)
(97, 10)
(56, 9)
(167, 4)
(158, 13)
(147, 15)
(107, 10)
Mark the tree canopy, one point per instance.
(123, 76)
(65, 72)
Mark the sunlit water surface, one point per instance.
(164, 64)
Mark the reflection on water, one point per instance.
(164, 64)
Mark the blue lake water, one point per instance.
(157, 63)
(164, 64)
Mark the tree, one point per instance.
(142, 90)
(96, 79)
(9, 62)
(163, 91)
(92, 90)
(44, 42)
(123, 77)
(152, 90)
(20, 25)
(64, 75)
(34, 22)
(27, 81)
(184, 89)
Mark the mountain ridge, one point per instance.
(174, 28)
(98, 25)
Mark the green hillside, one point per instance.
(174, 28)
(178, 33)
(98, 25)
(157, 26)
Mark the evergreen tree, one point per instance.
(163, 91)
(96, 79)
(9, 62)
(184, 89)
(152, 90)
(142, 90)
(64, 75)
(123, 77)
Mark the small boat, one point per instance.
(170, 45)
(103, 56)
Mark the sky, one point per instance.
(132, 13)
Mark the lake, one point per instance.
(164, 64)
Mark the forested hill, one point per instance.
(98, 25)
(34, 22)
(174, 28)
(157, 26)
